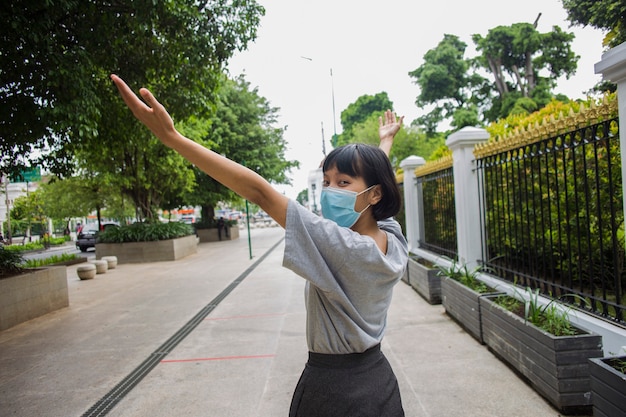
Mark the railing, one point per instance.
(553, 217)
(543, 208)
(436, 183)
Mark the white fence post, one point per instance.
(613, 68)
(414, 212)
(466, 193)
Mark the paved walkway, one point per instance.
(200, 342)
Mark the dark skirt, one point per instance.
(352, 385)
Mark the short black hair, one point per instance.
(372, 164)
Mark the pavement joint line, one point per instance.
(119, 391)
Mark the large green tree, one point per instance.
(358, 112)
(55, 96)
(444, 80)
(243, 129)
(523, 65)
(609, 15)
(362, 121)
(517, 56)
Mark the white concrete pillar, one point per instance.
(466, 193)
(613, 68)
(413, 206)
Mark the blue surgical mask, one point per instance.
(338, 205)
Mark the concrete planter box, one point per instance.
(462, 304)
(155, 251)
(608, 388)
(425, 281)
(210, 235)
(33, 294)
(556, 367)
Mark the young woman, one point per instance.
(351, 259)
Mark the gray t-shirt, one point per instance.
(349, 280)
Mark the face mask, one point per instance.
(338, 205)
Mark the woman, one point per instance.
(351, 259)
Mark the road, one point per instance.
(58, 250)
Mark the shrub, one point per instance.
(145, 232)
(25, 247)
(35, 263)
(212, 223)
(10, 262)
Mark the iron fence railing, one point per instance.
(439, 212)
(553, 218)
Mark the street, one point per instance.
(68, 248)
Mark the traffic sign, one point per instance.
(27, 175)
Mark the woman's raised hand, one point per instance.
(151, 113)
(388, 126)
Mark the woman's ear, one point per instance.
(375, 195)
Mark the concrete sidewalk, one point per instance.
(244, 353)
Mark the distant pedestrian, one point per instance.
(220, 227)
(352, 258)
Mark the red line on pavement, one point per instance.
(255, 316)
(222, 358)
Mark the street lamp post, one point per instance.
(332, 91)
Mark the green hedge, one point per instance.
(145, 232)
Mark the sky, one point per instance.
(370, 47)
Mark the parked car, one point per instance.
(188, 219)
(87, 236)
(235, 215)
(261, 217)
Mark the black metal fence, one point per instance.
(439, 213)
(553, 218)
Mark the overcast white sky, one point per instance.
(371, 47)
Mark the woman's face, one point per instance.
(335, 179)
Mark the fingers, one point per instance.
(131, 99)
(149, 97)
(390, 118)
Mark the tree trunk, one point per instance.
(531, 83)
(207, 212)
(497, 74)
(520, 81)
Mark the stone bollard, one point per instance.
(111, 261)
(101, 266)
(87, 271)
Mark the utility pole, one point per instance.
(323, 142)
(8, 202)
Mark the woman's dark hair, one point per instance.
(371, 164)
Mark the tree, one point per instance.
(516, 56)
(243, 129)
(28, 210)
(358, 112)
(408, 141)
(63, 199)
(607, 15)
(444, 80)
(55, 96)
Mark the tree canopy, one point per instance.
(359, 112)
(55, 95)
(360, 122)
(243, 129)
(522, 63)
(609, 15)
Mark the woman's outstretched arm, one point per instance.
(238, 178)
